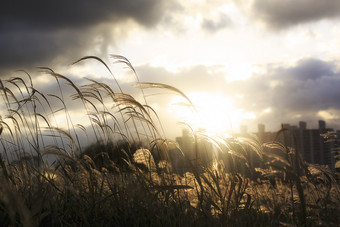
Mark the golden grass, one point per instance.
(127, 177)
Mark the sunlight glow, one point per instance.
(216, 113)
(239, 71)
(330, 114)
(268, 110)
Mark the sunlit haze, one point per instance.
(214, 113)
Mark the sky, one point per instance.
(239, 61)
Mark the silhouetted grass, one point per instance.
(130, 175)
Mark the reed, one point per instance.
(117, 167)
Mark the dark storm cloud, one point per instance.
(29, 47)
(214, 25)
(278, 14)
(293, 93)
(38, 31)
(51, 15)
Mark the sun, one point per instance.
(215, 113)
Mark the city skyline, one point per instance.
(301, 124)
(310, 143)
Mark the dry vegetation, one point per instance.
(126, 177)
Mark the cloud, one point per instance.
(29, 47)
(40, 31)
(278, 14)
(216, 24)
(307, 91)
(43, 15)
(187, 79)
(293, 93)
(310, 85)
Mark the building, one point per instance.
(308, 142)
(196, 149)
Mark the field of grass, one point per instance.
(123, 176)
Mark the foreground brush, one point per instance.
(117, 168)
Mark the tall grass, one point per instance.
(117, 168)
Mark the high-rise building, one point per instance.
(308, 142)
(197, 150)
(244, 129)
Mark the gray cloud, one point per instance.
(311, 85)
(278, 14)
(40, 31)
(45, 15)
(214, 25)
(293, 93)
(189, 79)
(29, 47)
